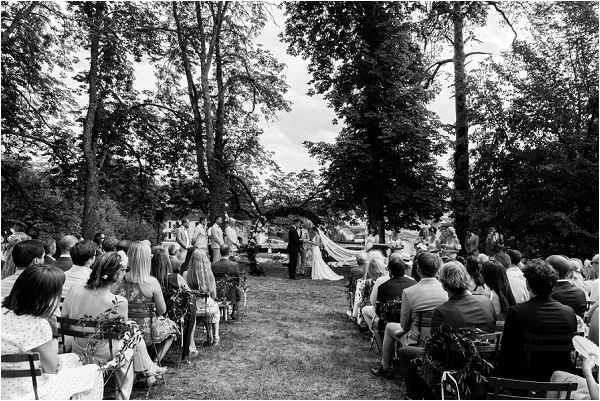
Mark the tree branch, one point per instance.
(247, 189)
(495, 5)
(21, 15)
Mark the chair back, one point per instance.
(508, 389)
(13, 366)
(141, 310)
(488, 346)
(547, 352)
(79, 328)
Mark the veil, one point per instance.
(339, 253)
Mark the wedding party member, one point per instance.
(182, 235)
(231, 237)
(471, 243)
(99, 240)
(174, 257)
(494, 242)
(64, 245)
(516, 279)
(200, 236)
(25, 328)
(94, 299)
(139, 286)
(564, 290)
(305, 245)
(216, 239)
(371, 239)
(540, 315)
(293, 249)
(319, 269)
(448, 243)
(24, 254)
(49, 250)
(501, 295)
(199, 277)
(83, 255)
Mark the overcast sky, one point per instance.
(310, 118)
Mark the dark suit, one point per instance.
(466, 310)
(536, 316)
(567, 294)
(393, 288)
(63, 262)
(225, 267)
(293, 250)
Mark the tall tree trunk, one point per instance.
(462, 190)
(90, 223)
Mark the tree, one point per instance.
(536, 132)
(365, 62)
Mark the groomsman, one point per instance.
(216, 239)
(182, 236)
(303, 234)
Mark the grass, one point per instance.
(294, 341)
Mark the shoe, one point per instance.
(381, 372)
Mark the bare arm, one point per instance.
(48, 356)
(159, 299)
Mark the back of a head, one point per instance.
(65, 243)
(376, 266)
(561, 264)
(17, 237)
(514, 255)
(454, 277)
(362, 258)
(173, 248)
(428, 264)
(160, 267)
(503, 258)
(200, 276)
(110, 244)
(49, 246)
(474, 267)
(24, 253)
(83, 252)
(140, 258)
(105, 270)
(225, 250)
(495, 277)
(540, 277)
(42, 280)
(396, 266)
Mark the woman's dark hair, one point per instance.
(495, 277)
(105, 270)
(540, 277)
(160, 268)
(474, 269)
(186, 262)
(36, 291)
(110, 244)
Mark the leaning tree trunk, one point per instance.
(90, 223)
(462, 190)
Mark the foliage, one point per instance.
(179, 301)
(449, 349)
(365, 63)
(536, 113)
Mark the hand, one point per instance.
(588, 364)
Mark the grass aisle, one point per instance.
(294, 342)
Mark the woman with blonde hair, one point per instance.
(199, 277)
(139, 286)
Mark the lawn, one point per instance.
(293, 341)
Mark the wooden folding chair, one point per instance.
(12, 368)
(201, 316)
(508, 389)
(77, 328)
(140, 311)
(488, 346)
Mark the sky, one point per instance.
(310, 117)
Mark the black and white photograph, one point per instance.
(299, 200)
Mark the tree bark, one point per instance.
(462, 190)
(90, 223)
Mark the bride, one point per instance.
(320, 270)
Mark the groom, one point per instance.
(293, 249)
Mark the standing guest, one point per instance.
(8, 265)
(110, 244)
(25, 254)
(501, 295)
(83, 255)
(174, 254)
(293, 249)
(182, 235)
(64, 245)
(540, 315)
(99, 240)
(516, 279)
(199, 236)
(231, 237)
(139, 286)
(425, 295)
(25, 328)
(94, 299)
(199, 277)
(49, 249)
(564, 291)
(471, 244)
(216, 239)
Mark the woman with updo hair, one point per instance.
(95, 299)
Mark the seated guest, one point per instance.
(224, 266)
(64, 245)
(379, 273)
(540, 315)
(361, 262)
(139, 286)
(425, 295)
(25, 328)
(50, 250)
(8, 265)
(94, 299)
(174, 257)
(591, 285)
(110, 244)
(83, 255)
(478, 287)
(393, 288)
(199, 277)
(577, 273)
(564, 290)
(24, 254)
(516, 279)
(500, 293)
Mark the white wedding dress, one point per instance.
(320, 270)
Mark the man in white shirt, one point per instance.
(83, 255)
(231, 239)
(200, 237)
(216, 239)
(516, 279)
